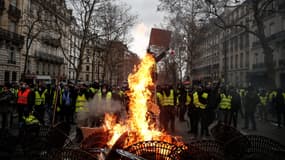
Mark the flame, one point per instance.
(140, 95)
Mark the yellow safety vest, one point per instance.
(168, 100)
(80, 102)
(108, 96)
(40, 99)
(159, 97)
(225, 101)
(263, 100)
(196, 101)
(93, 90)
(31, 119)
(283, 95)
(271, 95)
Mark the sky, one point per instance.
(148, 18)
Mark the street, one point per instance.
(268, 129)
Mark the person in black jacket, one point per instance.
(235, 107)
(7, 99)
(213, 101)
(250, 102)
(279, 104)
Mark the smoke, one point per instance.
(96, 109)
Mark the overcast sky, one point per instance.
(148, 17)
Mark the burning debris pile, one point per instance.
(137, 122)
(137, 126)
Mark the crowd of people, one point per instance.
(213, 102)
(46, 104)
(198, 105)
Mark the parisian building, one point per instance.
(11, 40)
(235, 55)
(46, 55)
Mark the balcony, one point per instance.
(11, 62)
(276, 37)
(14, 13)
(258, 66)
(54, 42)
(42, 56)
(12, 37)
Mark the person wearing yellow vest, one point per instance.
(31, 120)
(25, 101)
(225, 107)
(40, 103)
(168, 108)
(81, 101)
(200, 101)
(105, 97)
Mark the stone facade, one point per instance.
(235, 55)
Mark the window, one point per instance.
(14, 76)
(236, 62)
(87, 68)
(247, 40)
(12, 26)
(43, 69)
(236, 43)
(87, 77)
(48, 70)
(37, 67)
(247, 60)
(241, 60)
(241, 41)
(6, 76)
(271, 29)
(12, 56)
(232, 62)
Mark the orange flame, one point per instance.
(139, 83)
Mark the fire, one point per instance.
(139, 83)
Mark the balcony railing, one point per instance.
(42, 56)
(14, 12)
(51, 41)
(258, 66)
(11, 37)
(11, 62)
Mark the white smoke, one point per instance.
(96, 109)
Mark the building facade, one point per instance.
(11, 40)
(46, 54)
(235, 55)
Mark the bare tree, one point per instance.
(114, 22)
(95, 21)
(33, 23)
(185, 23)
